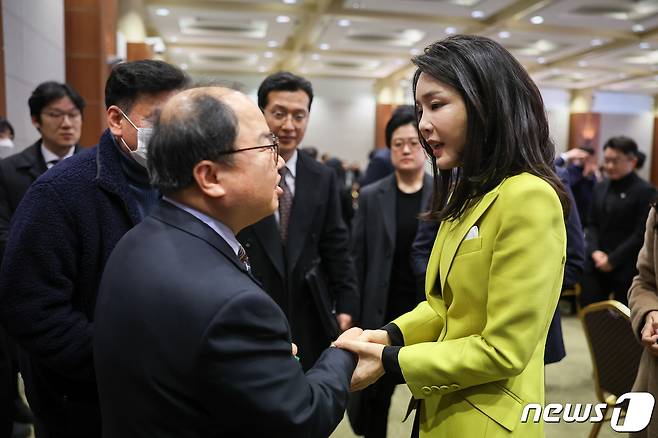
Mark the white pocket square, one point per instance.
(472, 233)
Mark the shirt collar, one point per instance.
(220, 228)
(48, 156)
(291, 164)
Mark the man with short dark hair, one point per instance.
(186, 343)
(301, 253)
(62, 234)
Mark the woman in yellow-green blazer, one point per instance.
(472, 354)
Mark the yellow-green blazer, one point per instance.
(474, 351)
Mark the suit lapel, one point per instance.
(267, 232)
(386, 197)
(303, 209)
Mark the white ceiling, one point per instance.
(574, 44)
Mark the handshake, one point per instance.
(368, 345)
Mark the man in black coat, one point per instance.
(56, 112)
(61, 236)
(186, 343)
(307, 233)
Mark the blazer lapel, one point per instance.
(267, 231)
(386, 197)
(303, 209)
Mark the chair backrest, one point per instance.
(615, 351)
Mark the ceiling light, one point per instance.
(477, 14)
(644, 45)
(415, 51)
(183, 66)
(344, 22)
(282, 19)
(555, 71)
(173, 39)
(290, 2)
(537, 19)
(262, 69)
(504, 34)
(315, 57)
(272, 43)
(162, 12)
(324, 46)
(582, 63)
(450, 30)
(596, 42)
(268, 54)
(541, 60)
(638, 28)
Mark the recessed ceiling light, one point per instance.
(262, 69)
(282, 19)
(504, 34)
(272, 43)
(268, 54)
(644, 45)
(325, 46)
(582, 64)
(173, 39)
(315, 57)
(450, 30)
(344, 22)
(638, 28)
(541, 60)
(477, 14)
(555, 71)
(183, 66)
(290, 2)
(596, 42)
(162, 12)
(537, 19)
(415, 51)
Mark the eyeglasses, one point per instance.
(274, 146)
(280, 116)
(413, 143)
(58, 116)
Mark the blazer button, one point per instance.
(426, 390)
(435, 389)
(455, 386)
(247, 245)
(444, 388)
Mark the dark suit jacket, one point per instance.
(316, 231)
(187, 344)
(618, 228)
(373, 245)
(17, 173)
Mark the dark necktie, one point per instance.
(51, 163)
(285, 204)
(242, 255)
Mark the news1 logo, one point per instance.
(638, 413)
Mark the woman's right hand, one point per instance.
(650, 332)
(375, 336)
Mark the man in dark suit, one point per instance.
(56, 111)
(186, 342)
(307, 233)
(61, 235)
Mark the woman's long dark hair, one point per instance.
(506, 131)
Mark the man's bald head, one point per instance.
(195, 125)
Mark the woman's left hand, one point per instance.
(369, 368)
(650, 332)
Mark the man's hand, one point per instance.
(601, 261)
(344, 321)
(294, 349)
(351, 334)
(370, 367)
(650, 332)
(375, 336)
(576, 155)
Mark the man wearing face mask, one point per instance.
(62, 234)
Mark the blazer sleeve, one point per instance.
(522, 289)
(643, 294)
(246, 370)
(628, 249)
(334, 246)
(575, 262)
(37, 285)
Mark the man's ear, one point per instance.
(114, 118)
(36, 123)
(208, 177)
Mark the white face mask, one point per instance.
(6, 143)
(143, 138)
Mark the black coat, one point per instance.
(373, 245)
(187, 344)
(617, 227)
(316, 231)
(62, 233)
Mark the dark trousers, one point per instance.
(8, 384)
(597, 286)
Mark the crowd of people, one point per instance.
(199, 273)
